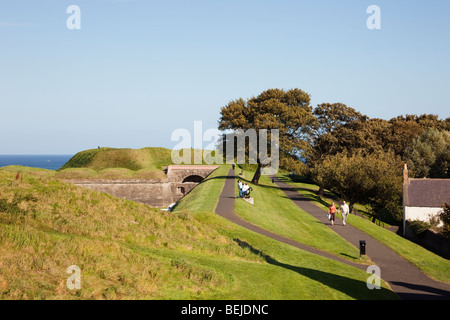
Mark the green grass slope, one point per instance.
(293, 273)
(433, 265)
(114, 163)
(127, 250)
(273, 211)
(132, 159)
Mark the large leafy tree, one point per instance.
(287, 111)
(372, 134)
(333, 115)
(373, 179)
(405, 129)
(429, 154)
(346, 154)
(363, 133)
(330, 117)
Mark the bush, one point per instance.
(419, 228)
(373, 179)
(444, 215)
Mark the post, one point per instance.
(362, 248)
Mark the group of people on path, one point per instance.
(344, 210)
(244, 189)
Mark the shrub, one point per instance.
(419, 228)
(444, 215)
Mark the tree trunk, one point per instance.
(351, 207)
(257, 175)
(321, 191)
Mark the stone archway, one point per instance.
(185, 173)
(193, 178)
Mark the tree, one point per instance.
(330, 116)
(405, 129)
(333, 115)
(429, 154)
(375, 134)
(444, 216)
(373, 179)
(287, 111)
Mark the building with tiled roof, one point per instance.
(423, 198)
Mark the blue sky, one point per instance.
(138, 70)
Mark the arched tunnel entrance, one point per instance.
(181, 179)
(193, 178)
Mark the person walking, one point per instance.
(332, 212)
(245, 189)
(344, 211)
(240, 185)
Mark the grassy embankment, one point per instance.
(308, 276)
(127, 250)
(433, 265)
(112, 163)
(273, 211)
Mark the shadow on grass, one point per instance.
(308, 199)
(274, 186)
(433, 293)
(313, 197)
(353, 288)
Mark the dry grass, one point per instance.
(125, 250)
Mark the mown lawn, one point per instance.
(273, 211)
(285, 272)
(127, 250)
(433, 265)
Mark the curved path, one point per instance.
(405, 279)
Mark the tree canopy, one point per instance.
(287, 111)
(366, 178)
(429, 154)
(357, 157)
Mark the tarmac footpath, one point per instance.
(404, 278)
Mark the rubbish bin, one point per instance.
(362, 247)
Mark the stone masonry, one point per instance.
(180, 181)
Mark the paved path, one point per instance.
(225, 208)
(404, 278)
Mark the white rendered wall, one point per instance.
(420, 213)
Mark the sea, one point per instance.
(51, 161)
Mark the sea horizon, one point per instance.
(43, 161)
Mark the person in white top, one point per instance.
(344, 211)
(245, 188)
(240, 185)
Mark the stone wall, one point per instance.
(177, 173)
(159, 194)
(155, 194)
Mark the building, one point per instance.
(423, 198)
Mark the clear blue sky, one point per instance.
(137, 70)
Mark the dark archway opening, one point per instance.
(193, 178)
(181, 190)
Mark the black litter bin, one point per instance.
(362, 247)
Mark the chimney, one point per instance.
(405, 195)
(405, 174)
